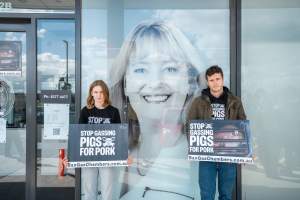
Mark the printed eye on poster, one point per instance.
(10, 58)
(56, 114)
(220, 141)
(97, 145)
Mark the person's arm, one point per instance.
(193, 113)
(241, 112)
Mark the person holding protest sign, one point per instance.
(154, 79)
(216, 103)
(98, 111)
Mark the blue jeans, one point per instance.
(207, 179)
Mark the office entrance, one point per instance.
(37, 53)
(13, 109)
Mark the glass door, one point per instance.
(13, 123)
(55, 78)
(29, 154)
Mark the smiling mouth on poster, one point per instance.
(7, 99)
(56, 114)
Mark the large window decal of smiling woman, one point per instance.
(153, 80)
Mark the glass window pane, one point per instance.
(270, 76)
(55, 73)
(13, 114)
(185, 38)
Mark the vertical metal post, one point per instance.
(67, 60)
(235, 69)
(31, 88)
(77, 84)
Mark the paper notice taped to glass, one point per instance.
(2, 130)
(56, 121)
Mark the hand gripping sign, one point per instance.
(220, 141)
(97, 145)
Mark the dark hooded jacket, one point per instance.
(201, 107)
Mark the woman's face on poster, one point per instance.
(156, 83)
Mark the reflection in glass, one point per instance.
(94, 47)
(56, 72)
(269, 55)
(13, 116)
(148, 190)
(153, 77)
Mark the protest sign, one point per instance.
(220, 141)
(97, 145)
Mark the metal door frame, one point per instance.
(30, 107)
(19, 22)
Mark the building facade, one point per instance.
(65, 45)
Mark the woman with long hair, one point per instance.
(98, 110)
(154, 78)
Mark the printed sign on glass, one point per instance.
(2, 130)
(7, 98)
(56, 114)
(10, 58)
